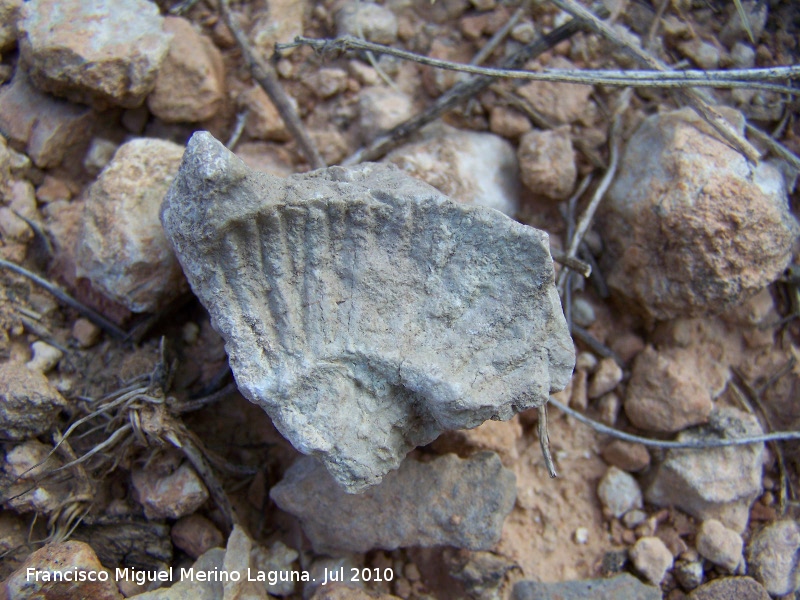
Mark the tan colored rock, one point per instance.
(67, 558)
(501, 437)
(23, 471)
(628, 456)
(263, 122)
(652, 559)
(605, 378)
(44, 357)
(561, 103)
(720, 545)
(169, 496)
(380, 109)
(12, 227)
(469, 167)
(196, 535)
(371, 21)
(122, 249)
(667, 392)
(190, 85)
(547, 163)
(508, 122)
(103, 52)
(10, 13)
(86, 333)
(280, 21)
(29, 405)
(692, 229)
(46, 128)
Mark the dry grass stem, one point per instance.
(656, 76)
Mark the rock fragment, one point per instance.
(9, 18)
(560, 103)
(24, 470)
(46, 128)
(122, 249)
(371, 21)
(67, 558)
(363, 284)
(190, 84)
(547, 163)
(619, 587)
(169, 495)
(381, 108)
(667, 392)
(263, 121)
(714, 483)
(470, 167)
(652, 558)
(196, 535)
(772, 557)
(691, 228)
(421, 504)
(628, 456)
(605, 378)
(45, 357)
(720, 545)
(619, 492)
(725, 588)
(193, 588)
(101, 52)
(29, 404)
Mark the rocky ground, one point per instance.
(127, 445)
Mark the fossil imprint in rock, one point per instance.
(364, 311)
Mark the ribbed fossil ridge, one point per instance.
(363, 310)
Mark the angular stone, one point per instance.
(680, 241)
(605, 379)
(196, 535)
(652, 558)
(713, 483)
(29, 405)
(667, 392)
(193, 588)
(381, 108)
(470, 167)
(46, 128)
(421, 504)
(122, 249)
(415, 313)
(190, 85)
(720, 545)
(367, 20)
(619, 587)
(628, 456)
(561, 103)
(727, 588)
(772, 557)
(97, 52)
(64, 557)
(263, 121)
(547, 163)
(169, 496)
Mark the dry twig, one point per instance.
(265, 75)
(690, 96)
(655, 76)
(777, 436)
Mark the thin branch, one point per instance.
(695, 444)
(690, 96)
(459, 93)
(654, 77)
(87, 312)
(571, 262)
(588, 215)
(265, 75)
(544, 441)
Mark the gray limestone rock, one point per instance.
(714, 483)
(364, 311)
(448, 501)
(621, 587)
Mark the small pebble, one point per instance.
(634, 518)
(45, 357)
(652, 559)
(605, 378)
(581, 535)
(586, 361)
(609, 406)
(720, 545)
(628, 456)
(190, 332)
(100, 153)
(688, 574)
(619, 492)
(85, 333)
(583, 313)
